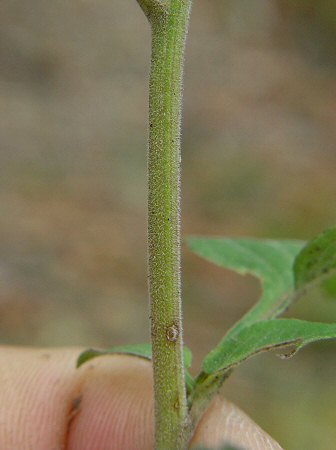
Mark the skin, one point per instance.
(45, 403)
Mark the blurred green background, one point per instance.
(258, 160)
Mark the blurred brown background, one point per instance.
(258, 160)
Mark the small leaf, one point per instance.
(262, 336)
(316, 263)
(139, 350)
(269, 260)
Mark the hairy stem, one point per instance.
(153, 8)
(169, 22)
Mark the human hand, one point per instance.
(107, 404)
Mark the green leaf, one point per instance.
(269, 260)
(316, 263)
(266, 335)
(139, 350)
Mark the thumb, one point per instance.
(45, 403)
(224, 422)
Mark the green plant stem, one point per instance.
(169, 23)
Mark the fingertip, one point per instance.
(224, 422)
(36, 387)
(116, 406)
(46, 403)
